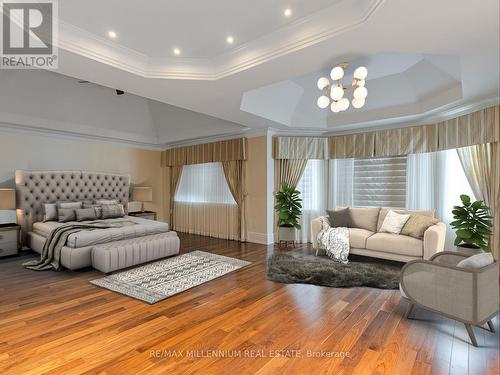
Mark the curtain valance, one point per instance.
(233, 149)
(360, 145)
(300, 148)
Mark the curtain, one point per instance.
(313, 187)
(234, 171)
(204, 204)
(481, 166)
(175, 174)
(341, 183)
(289, 171)
(421, 181)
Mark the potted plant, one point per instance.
(289, 209)
(472, 222)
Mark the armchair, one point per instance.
(469, 295)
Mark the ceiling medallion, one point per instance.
(336, 90)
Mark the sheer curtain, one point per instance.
(313, 187)
(436, 180)
(204, 204)
(341, 183)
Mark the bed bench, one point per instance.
(113, 256)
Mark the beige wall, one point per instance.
(37, 152)
(257, 190)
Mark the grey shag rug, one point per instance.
(360, 271)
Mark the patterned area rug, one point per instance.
(159, 280)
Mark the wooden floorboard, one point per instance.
(241, 323)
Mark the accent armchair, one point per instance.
(469, 295)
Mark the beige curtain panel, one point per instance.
(289, 171)
(300, 148)
(482, 167)
(175, 177)
(234, 171)
(207, 219)
(233, 149)
(360, 145)
(472, 129)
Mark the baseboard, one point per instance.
(262, 238)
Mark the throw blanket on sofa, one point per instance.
(51, 252)
(334, 240)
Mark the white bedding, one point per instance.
(83, 238)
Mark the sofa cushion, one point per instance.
(339, 218)
(384, 211)
(395, 243)
(364, 218)
(358, 237)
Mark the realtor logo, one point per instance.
(29, 32)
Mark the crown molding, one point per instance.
(302, 33)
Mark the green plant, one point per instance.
(288, 206)
(472, 222)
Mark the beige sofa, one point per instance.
(365, 238)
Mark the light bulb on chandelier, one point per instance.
(337, 93)
(323, 101)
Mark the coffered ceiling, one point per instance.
(425, 58)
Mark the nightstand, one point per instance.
(9, 239)
(150, 215)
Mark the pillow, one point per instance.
(105, 201)
(110, 211)
(476, 261)
(73, 205)
(50, 212)
(66, 214)
(97, 208)
(394, 222)
(339, 218)
(85, 214)
(417, 225)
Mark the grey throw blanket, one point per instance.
(334, 240)
(51, 252)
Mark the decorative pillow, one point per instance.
(105, 201)
(417, 225)
(66, 214)
(394, 222)
(476, 261)
(97, 208)
(339, 218)
(85, 214)
(110, 211)
(50, 212)
(73, 205)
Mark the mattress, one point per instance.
(142, 227)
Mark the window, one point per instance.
(204, 183)
(380, 182)
(312, 184)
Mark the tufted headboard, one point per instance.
(33, 188)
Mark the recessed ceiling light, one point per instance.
(287, 12)
(230, 39)
(112, 34)
(177, 51)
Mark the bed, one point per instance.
(34, 188)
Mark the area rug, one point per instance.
(159, 280)
(360, 271)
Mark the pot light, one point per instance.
(112, 34)
(230, 39)
(287, 12)
(177, 51)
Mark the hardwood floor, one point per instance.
(59, 323)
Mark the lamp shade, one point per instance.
(7, 199)
(142, 194)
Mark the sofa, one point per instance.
(366, 239)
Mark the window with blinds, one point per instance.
(380, 182)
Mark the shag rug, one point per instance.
(159, 280)
(360, 271)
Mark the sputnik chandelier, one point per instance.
(336, 91)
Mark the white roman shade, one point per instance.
(380, 182)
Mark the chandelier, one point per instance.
(336, 91)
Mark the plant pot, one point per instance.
(469, 251)
(286, 233)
